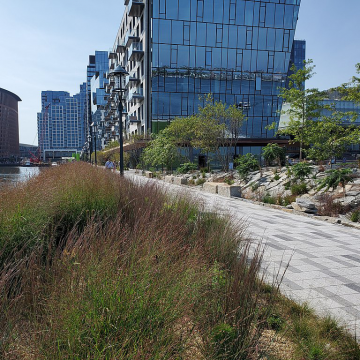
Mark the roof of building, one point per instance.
(10, 93)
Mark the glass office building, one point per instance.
(179, 50)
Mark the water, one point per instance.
(15, 174)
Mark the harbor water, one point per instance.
(15, 174)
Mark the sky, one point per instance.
(45, 45)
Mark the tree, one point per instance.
(304, 104)
(209, 126)
(351, 90)
(272, 152)
(161, 151)
(214, 126)
(181, 133)
(330, 135)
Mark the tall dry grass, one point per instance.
(97, 267)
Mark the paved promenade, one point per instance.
(324, 258)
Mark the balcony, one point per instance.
(133, 119)
(112, 66)
(120, 48)
(112, 56)
(136, 95)
(135, 7)
(136, 51)
(126, 2)
(131, 38)
(131, 79)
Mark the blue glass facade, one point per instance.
(238, 50)
(96, 96)
(297, 57)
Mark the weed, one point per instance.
(330, 207)
(287, 185)
(298, 189)
(275, 322)
(316, 352)
(254, 186)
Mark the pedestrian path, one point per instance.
(324, 268)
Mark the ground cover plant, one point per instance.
(115, 270)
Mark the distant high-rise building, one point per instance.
(95, 91)
(176, 51)
(9, 124)
(61, 123)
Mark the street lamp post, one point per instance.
(89, 146)
(94, 127)
(118, 75)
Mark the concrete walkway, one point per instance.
(324, 268)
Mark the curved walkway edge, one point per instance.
(324, 258)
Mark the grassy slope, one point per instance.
(96, 267)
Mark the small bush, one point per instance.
(301, 170)
(355, 216)
(229, 180)
(186, 167)
(298, 189)
(200, 181)
(268, 199)
(277, 177)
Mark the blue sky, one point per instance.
(45, 45)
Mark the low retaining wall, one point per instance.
(229, 190)
(211, 187)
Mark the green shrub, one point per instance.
(186, 167)
(273, 153)
(268, 199)
(229, 180)
(298, 189)
(355, 216)
(276, 177)
(246, 164)
(335, 177)
(301, 170)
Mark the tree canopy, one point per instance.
(215, 125)
(305, 104)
